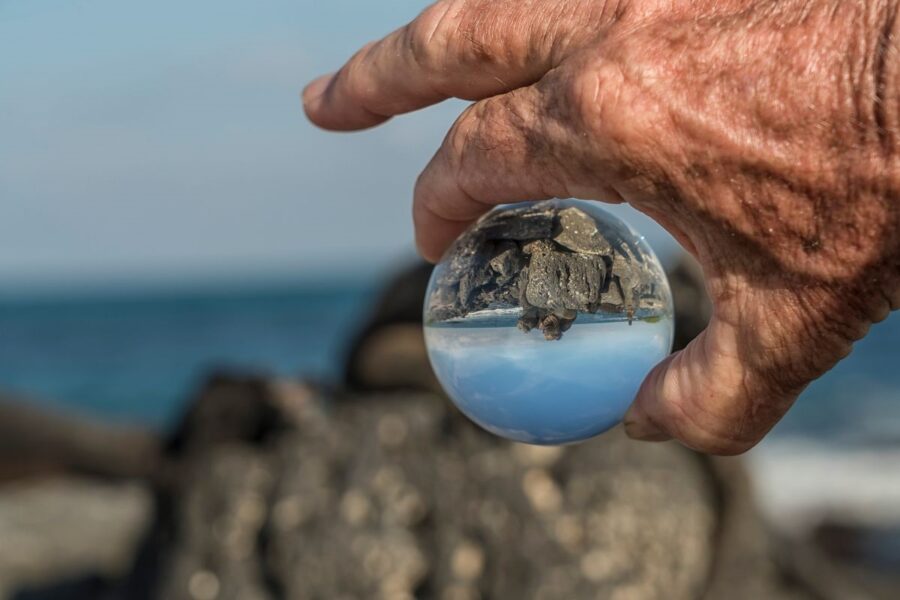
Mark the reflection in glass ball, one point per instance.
(543, 319)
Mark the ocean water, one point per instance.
(137, 357)
(523, 387)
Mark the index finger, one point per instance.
(469, 49)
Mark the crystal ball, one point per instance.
(542, 320)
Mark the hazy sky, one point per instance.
(166, 140)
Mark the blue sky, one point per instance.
(166, 141)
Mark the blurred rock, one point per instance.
(62, 528)
(35, 441)
(870, 552)
(230, 408)
(398, 310)
(393, 496)
(399, 496)
(693, 307)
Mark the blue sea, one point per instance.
(136, 357)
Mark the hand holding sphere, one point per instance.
(764, 136)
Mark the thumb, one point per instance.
(709, 396)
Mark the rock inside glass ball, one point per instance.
(543, 319)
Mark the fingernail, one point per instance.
(645, 432)
(316, 89)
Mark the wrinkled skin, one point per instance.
(762, 135)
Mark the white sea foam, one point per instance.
(800, 481)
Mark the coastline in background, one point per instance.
(135, 357)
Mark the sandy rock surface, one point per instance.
(58, 528)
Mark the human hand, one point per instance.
(762, 135)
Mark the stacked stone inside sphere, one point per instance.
(553, 260)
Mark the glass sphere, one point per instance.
(543, 319)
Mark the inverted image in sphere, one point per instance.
(543, 319)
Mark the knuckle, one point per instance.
(500, 144)
(594, 94)
(620, 103)
(427, 204)
(485, 134)
(424, 205)
(357, 78)
(464, 144)
(429, 37)
(460, 139)
(466, 32)
(480, 39)
(486, 128)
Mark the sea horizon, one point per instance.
(134, 353)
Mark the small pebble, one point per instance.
(392, 431)
(541, 491)
(355, 507)
(203, 585)
(468, 561)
